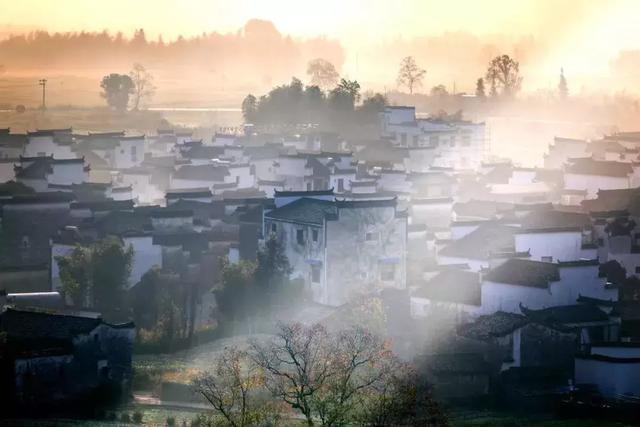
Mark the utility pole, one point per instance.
(43, 83)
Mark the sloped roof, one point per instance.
(201, 173)
(493, 325)
(523, 272)
(599, 168)
(452, 285)
(567, 314)
(36, 325)
(555, 219)
(483, 242)
(304, 210)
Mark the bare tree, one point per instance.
(296, 364)
(323, 73)
(504, 73)
(410, 75)
(322, 375)
(143, 84)
(355, 366)
(229, 385)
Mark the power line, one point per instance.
(43, 83)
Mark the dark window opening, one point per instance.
(300, 237)
(314, 235)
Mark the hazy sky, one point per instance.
(585, 34)
(353, 19)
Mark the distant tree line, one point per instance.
(295, 103)
(257, 46)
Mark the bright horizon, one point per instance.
(583, 36)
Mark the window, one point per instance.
(371, 236)
(600, 241)
(300, 236)
(134, 153)
(433, 139)
(340, 185)
(308, 186)
(403, 138)
(638, 270)
(546, 259)
(314, 235)
(315, 273)
(415, 140)
(387, 272)
(274, 227)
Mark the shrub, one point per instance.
(125, 418)
(171, 421)
(137, 417)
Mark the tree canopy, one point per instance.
(116, 90)
(503, 76)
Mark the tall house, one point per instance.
(341, 248)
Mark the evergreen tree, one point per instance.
(563, 90)
(480, 88)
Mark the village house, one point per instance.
(55, 359)
(537, 285)
(340, 248)
(55, 143)
(592, 175)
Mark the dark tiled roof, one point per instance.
(202, 173)
(36, 325)
(203, 152)
(304, 193)
(481, 208)
(567, 314)
(599, 168)
(523, 272)
(493, 325)
(188, 192)
(555, 219)
(104, 205)
(482, 243)
(304, 210)
(453, 285)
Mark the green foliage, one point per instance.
(249, 108)
(237, 299)
(322, 72)
(110, 269)
(116, 90)
(480, 91)
(439, 91)
(137, 417)
(294, 104)
(503, 75)
(249, 288)
(96, 275)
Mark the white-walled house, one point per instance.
(478, 247)
(591, 175)
(555, 244)
(537, 285)
(146, 255)
(55, 143)
(129, 153)
(614, 368)
(341, 248)
(40, 172)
